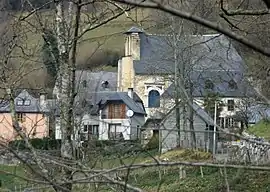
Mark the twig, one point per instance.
(196, 19)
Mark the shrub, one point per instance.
(154, 142)
(37, 143)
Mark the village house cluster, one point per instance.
(138, 100)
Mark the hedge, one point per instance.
(37, 143)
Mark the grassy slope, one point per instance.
(106, 37)
(261, 129)
(149, 179)
(109, 36)
(9, 181)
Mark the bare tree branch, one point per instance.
(211, 25)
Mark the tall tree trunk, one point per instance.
(191, 118)
(177, 93)
(66, 107)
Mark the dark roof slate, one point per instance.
(199, 111)
(97, 100)
(200, 52)
(134, 30)
(33, 107)
(94, 80)
(220, 80)
(134, 104)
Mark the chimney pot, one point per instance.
(130, 92)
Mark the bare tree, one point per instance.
(69, 31)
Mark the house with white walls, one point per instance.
(101, 112)
(210, 62)
(112, 116)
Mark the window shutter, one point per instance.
(123, 111)
(110, 111)
(23, 117)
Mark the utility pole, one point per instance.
(215, 129)
(176, 81)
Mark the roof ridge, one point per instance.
(191, 35)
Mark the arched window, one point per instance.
(209, 84)
(232, 84)
(153, 99)
(84, 83)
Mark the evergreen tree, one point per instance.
(50, 55)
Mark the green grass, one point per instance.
(8, 176)
(261, 129)
(167, 179)
(212, 180)
(107, 37)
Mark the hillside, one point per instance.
(261, 129)
(163, 179)
(93, 47)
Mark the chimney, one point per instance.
(130, 92)
(42, 99)
(132, 44)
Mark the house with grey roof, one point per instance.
(92, 81)
(32, 114)
(101, 112)
(203, 126)
(210, 62)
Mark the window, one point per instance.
(27, 102)
(20, 102)
(84, 83)
(231, 105)
(91, 129)
(209, 84)
(117, 111)
(84, 103)
(232, 84)
(115, 131)
(229, 122)
(85, 128)
(105, 84)
(20, 117)
(153, 99)
(221, 121)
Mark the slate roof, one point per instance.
(257, 112)
(94, 80)
(220, 80)
(33, 107)
(134, 30)
(134, 104)
(203, 114)
(96, 96)
(199, 111)
(200, 52)
(97, 100)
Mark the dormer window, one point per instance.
(84, 103)
(84, 83)
(20, 102)
(232, 84)
(209, 84)
(27, 102)
(105, 84)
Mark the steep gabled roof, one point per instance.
(199, 52)
(134, 30)
(33, 105)
(94, 80)
(134, 104)
(221, 84)
(198, 111)
(97, 100)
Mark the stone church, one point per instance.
(211, 63)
